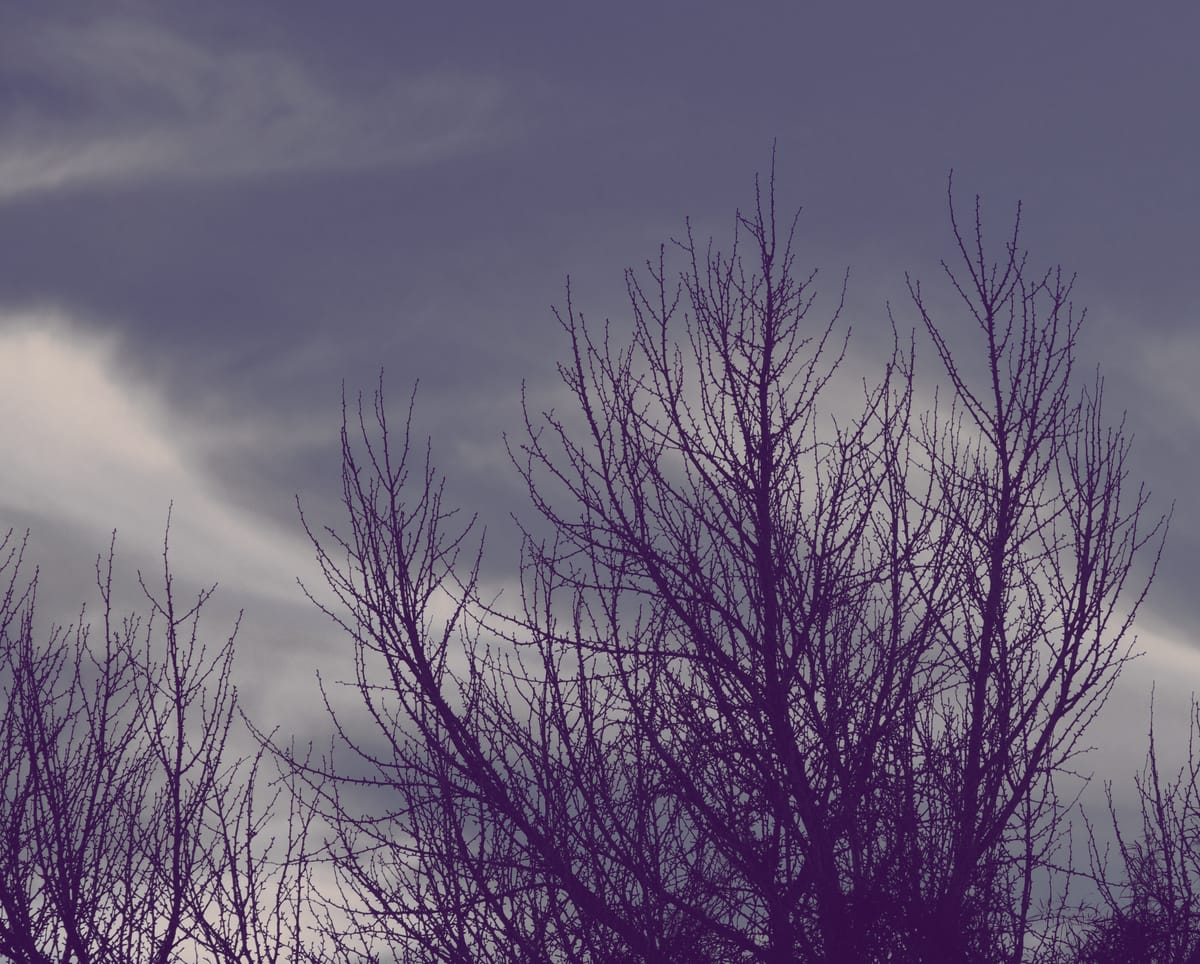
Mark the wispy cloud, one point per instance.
(149, 102)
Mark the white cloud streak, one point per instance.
(88, 446)
(158, 105)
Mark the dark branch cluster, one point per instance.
(790, 670)
(780, 686)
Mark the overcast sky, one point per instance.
(211, 215)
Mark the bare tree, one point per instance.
(1034, 619)
(1150, 905)
(780, 686)
(114, 761)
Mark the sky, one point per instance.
(212, 216)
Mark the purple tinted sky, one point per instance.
(212, 214)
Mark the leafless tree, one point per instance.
(1150, 902)
(1042, 533)
(119, 784)
(780, 686)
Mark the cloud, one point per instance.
(1168, 668)
(89, 445)
(1165, 370)
(149, 103)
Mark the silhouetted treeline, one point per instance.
(792, 667)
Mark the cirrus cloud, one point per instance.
(133, 100)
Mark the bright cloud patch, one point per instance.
(87, 447)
